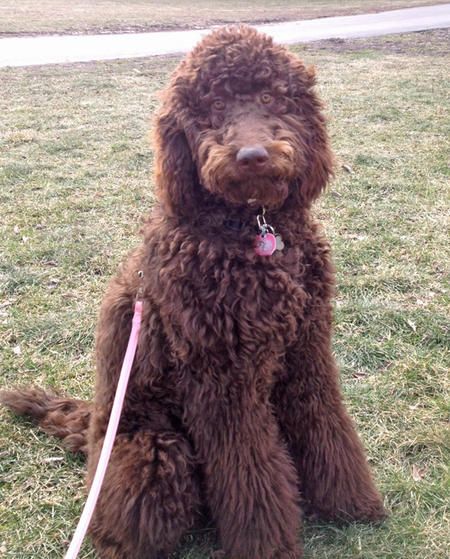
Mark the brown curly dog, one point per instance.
(234, 404)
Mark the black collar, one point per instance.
(234, 224)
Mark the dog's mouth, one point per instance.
(252, 175)
(263, 191)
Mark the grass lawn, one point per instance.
(103, 16)
(74, 181)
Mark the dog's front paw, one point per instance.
(297, 553)
(363, 510)
(282, 554)
(355, 511)
(369, 512)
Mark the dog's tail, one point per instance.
(65, 418)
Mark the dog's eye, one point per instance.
(266, 98)
(218, 105)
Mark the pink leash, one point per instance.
(111, 431)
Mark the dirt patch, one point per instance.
(426, 43)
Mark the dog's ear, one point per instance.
(319, 159)
(319, 162)
(175, 171)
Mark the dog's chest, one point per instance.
(233, 309)
(266, 299)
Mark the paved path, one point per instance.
(25, 51)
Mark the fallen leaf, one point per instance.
(52, 283)
(418, 473)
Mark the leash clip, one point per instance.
(140, 289)
(263, 226)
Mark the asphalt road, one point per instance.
(58, 49)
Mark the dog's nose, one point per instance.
(252, 156)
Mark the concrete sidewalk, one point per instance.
(27, 51)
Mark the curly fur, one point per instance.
(234, 404)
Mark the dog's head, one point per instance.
(240, 119)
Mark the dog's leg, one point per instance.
(335, 479)
(149, 497)
(150, 494)
(250, 481)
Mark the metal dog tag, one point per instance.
(279, 242)
(265, 245)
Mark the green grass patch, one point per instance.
(75, 181)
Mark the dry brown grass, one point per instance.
(102, 16)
